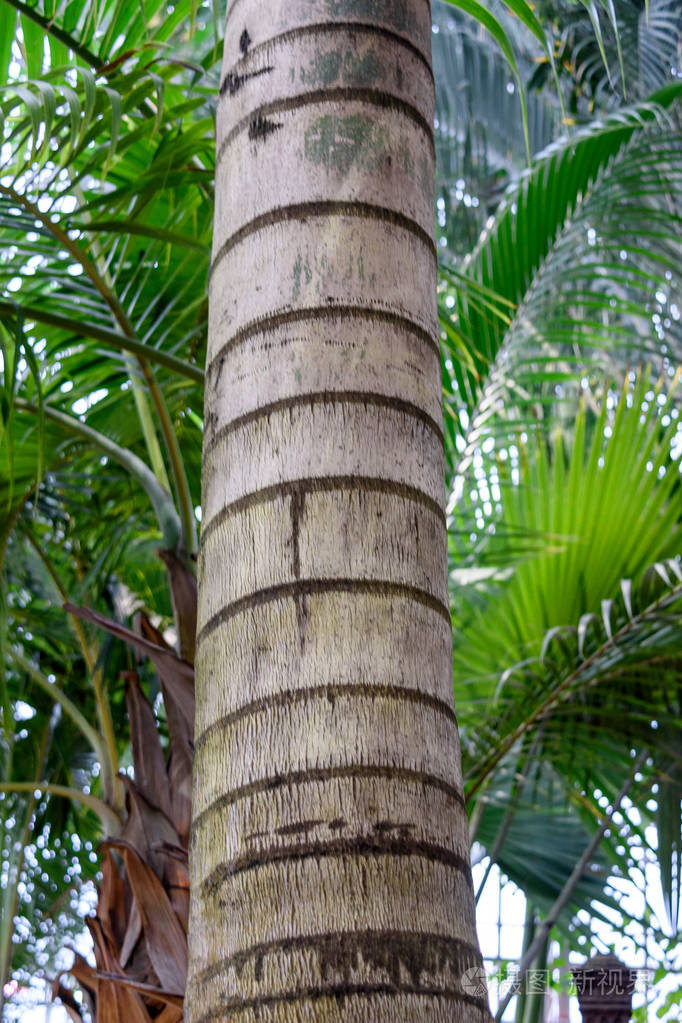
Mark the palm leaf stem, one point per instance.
(188, 533)
(517, 791)
(96, 741)
(566, 892)
(139, 396)
(166, 515)
(48, 25)
(10, 893)
(91, 658)
(529, 923)
(86, 650)
(10, 904)
(145, 230)
(174, 998)
(475, 820)
(109, 818)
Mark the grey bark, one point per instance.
(329, 856)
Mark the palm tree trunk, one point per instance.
(329, 857)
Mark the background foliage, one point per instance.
(558, 221)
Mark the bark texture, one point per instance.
(329, 852)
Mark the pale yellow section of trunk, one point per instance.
(329, 852)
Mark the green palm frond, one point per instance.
(585, 202)
(584, 536)
(98, 34)
(43, 865)
(105, 209)
(592, 675)
(545, 830)
(86, 250)
(605, 686)
(634, 53)
(572, 642)
(479, 139)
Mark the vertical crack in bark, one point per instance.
(297, 506)
(302, 600)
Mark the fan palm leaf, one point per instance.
(575, 647)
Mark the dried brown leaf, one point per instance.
(174, 673)
(148, 760)
(177, 685)
(178, 699)
(163, 934)
(180, 777)
(155, 994)
(111, 904)
(183, 587)
(132, 934)
(115, 1002)
(118, 1004)
(150, 832)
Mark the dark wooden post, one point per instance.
(605, 987)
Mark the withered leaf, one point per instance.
(163, 933)
(150, 767)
